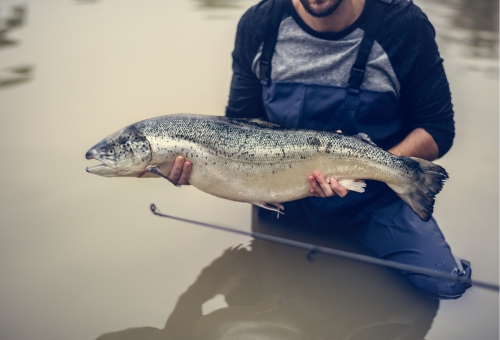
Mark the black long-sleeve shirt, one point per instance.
(404, 61)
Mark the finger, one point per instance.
(337, 188)
(313, 193)
(318, 192)
(176, 171)
(323, 183)
(186, 172)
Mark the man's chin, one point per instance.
(320, 9)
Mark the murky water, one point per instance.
(82, 256)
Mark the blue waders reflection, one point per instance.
(273, 292)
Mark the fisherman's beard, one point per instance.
(320, 8)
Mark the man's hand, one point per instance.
(321, 187)
(180, 171)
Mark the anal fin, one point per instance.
(156, 171)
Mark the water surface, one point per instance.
(82, 256)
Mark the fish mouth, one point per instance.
(98, 169)
(92, 169)
(102, 169)
(114, 170)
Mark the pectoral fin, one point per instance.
(353, 185)
(156, 171)
(271, 206)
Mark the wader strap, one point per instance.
(270, 40)
(357, 73)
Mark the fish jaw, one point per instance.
(126, 153)
(107, 171)
(101, 170)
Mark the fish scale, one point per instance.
(253, 161)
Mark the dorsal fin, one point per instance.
(255, 122)
(365, 138)
(261, 122)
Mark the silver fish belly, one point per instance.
(257, 162)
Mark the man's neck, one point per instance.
(343, 17)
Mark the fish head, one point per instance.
(124, 153)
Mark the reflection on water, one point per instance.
(217, 9)
(272, 292)
(13, 75)
(480, 19)
(15, 19)
(472, 26)
(218, 3)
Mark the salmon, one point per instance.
(253, 161)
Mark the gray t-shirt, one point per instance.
(404, 61)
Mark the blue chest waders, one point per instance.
(377, 218)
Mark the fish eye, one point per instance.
(111, 151)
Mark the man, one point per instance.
(368, 66)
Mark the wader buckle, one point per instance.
(356, 77)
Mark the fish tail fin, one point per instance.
(421, 195)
